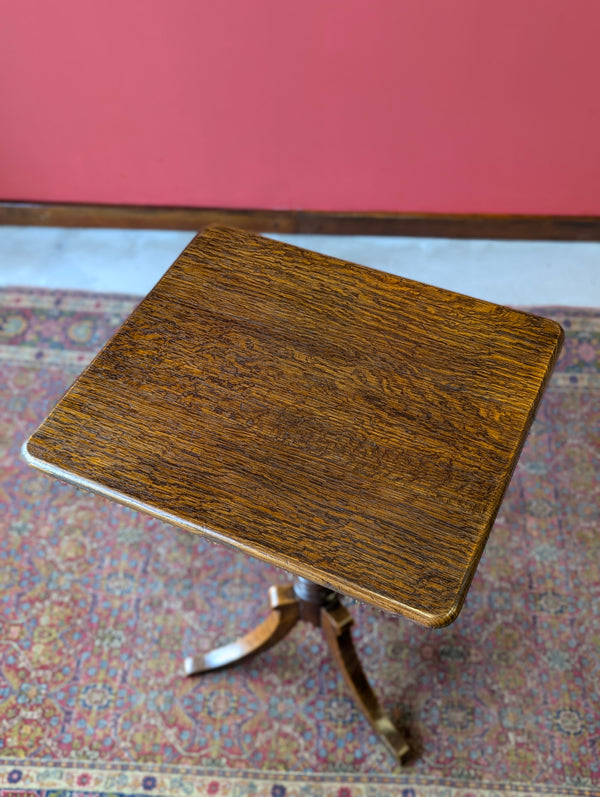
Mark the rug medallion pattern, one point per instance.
(99, 605)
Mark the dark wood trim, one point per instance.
(434, 225)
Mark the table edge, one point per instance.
(429, 619)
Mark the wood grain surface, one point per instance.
(348, 425)
(429, 225)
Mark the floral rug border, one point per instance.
(19, 778)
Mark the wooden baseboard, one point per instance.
(427, 225)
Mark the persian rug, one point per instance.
(99, 605)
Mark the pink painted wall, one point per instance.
(396, 105)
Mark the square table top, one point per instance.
(353, 427)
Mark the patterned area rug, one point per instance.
(99, 605)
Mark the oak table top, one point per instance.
(353, 427)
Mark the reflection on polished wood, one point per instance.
(322, 608)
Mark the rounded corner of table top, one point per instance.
(444, 617)
(444, 613)
(32, 457)
(26, 454)
(554, 329)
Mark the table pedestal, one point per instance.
(322, 607)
